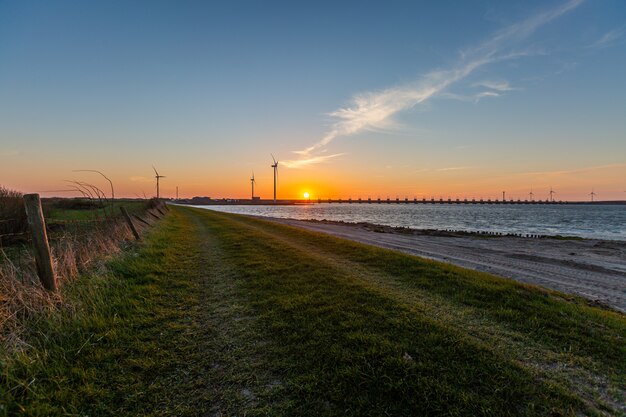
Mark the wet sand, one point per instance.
(594, 269)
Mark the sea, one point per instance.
(595, 221)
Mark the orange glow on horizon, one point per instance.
(329, 181)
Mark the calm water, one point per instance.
(590, 221)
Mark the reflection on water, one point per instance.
(590, 221)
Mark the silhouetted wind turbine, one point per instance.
(252, 182)
(552, 192)
(158, 177)
(531, 194)
(275, 166)
(592, 194)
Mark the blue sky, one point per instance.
(396, 97)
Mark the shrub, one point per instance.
(78, 204)
(154, 203)
(12, 215)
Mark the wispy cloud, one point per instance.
(501, 86)
(302, 163)
(474, 98)
(576, 171)
(611, 38)
(141, 179)
(447, 169)
(375, 110)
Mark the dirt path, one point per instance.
(592, 269)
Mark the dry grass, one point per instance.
(21, 294)
(12, 215)
(74, 253)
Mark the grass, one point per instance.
(59, 212)
(74, 246)
(219, 314)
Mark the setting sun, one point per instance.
(306, 195)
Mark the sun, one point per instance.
(306, 196)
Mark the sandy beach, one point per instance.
(594, 269)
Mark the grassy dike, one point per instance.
(218, 314)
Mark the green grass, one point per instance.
(53, 212)
(75, 221)
(218, 314)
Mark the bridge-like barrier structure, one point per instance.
(433, 201)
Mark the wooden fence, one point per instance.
(39, 236)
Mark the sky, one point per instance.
(355, 99)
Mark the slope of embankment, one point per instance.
(219, 314)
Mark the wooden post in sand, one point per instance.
(37, 227)
(130, 223)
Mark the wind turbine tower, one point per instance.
(592, 194)
(275, 166)
(252, 182)
(531, 194)
(552, 192)
(158, 177)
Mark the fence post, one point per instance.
(141, 220)
(130, 223)
(37, 226)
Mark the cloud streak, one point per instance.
(375, 110)
(610, 38)
(500, 86)
(140, 179)
(302, 163)
(584, 170)
(448, 169)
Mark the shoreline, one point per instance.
(381, 228)
(613, 232)
(594, 269)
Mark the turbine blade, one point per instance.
(155, 171)
(274, 159)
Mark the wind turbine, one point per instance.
(252, 182)
(531, 194)
(275, 166)
(158, 177)
(592, 194)
(552, 192)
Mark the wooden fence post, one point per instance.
(141, 220)
(130, 223)
(37, 227)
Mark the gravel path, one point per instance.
(594, 269)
